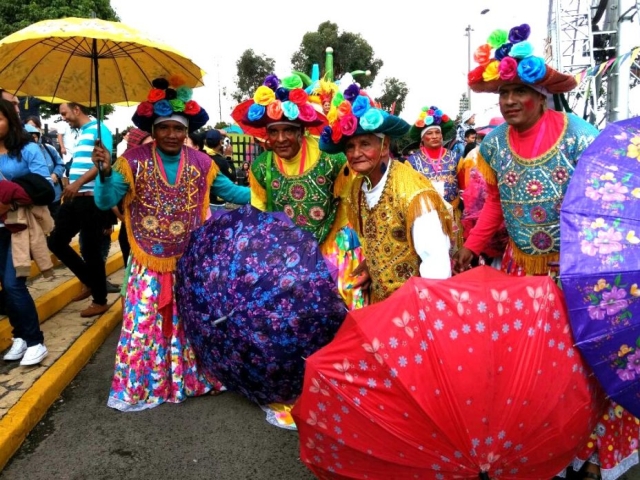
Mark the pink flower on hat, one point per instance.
(508, 68)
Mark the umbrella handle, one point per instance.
(224, 318)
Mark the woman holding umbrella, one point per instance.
(165, 186)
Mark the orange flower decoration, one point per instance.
(274, 110)
(482, 55)
(344, 109)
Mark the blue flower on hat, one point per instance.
(521, 50)
(532, 69)
(162, 108)
(256, 112)
(372, 119)
(282, 94)
(325, 136)
(503, 51)
(360, 106)
(290, 110)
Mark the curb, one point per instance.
(52, 302)
(27, 412)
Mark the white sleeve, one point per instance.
(431, 244)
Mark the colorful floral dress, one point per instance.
(154, 361)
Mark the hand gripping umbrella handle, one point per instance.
(224, 318)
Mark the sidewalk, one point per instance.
(26, 393)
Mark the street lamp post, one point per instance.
(468, 34)
(468, 31)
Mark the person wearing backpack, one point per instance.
(55, 165)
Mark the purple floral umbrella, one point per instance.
(256, 299)
(600, 259)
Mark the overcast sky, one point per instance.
(421, 43)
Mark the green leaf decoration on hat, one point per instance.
(338, 98)
(292, 81)
(498, 38)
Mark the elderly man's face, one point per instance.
(521, 106)
(13, 99)
(285, 140)
(364, 152)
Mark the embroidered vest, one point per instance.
(385, 229)
(159, 216)
(532, 189)
(308, 198)
(447, 174)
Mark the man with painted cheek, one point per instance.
(293, 176)
(527, 161)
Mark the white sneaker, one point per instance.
(16, 352)
(34, 355)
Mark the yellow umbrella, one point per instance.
(89, 61)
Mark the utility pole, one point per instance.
(468, 35)
(219, 94)
(621, 18)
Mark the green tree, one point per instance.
(18, 15)
(393, 91)
(252, 70)
(350, 52)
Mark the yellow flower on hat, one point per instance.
(492, 71)
(422, 115)
(332, 116)
(264, 95)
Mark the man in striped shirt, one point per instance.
(79, 213)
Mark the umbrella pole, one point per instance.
(94, 59)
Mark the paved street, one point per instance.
(219, 438)
(223, 437)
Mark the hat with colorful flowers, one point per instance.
(354, 113)
(429, 118)
(278, 101)
(508, 58)
(170, 100)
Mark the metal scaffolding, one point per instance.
(584, 33)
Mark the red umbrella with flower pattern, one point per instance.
(471, 376)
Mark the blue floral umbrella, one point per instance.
(256, 299)
(600, 259)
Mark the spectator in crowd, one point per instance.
(21, 157)
(79, 213)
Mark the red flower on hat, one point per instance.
(445, 118)
(475, 75)
(145, 109)
(191, 108)
(336, 133)
(155, 94)
(298, 96)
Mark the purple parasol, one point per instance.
(256, 299)
(600, 259)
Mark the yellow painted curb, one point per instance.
(52, 302)
(27, 412)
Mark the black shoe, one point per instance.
(112, 288)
